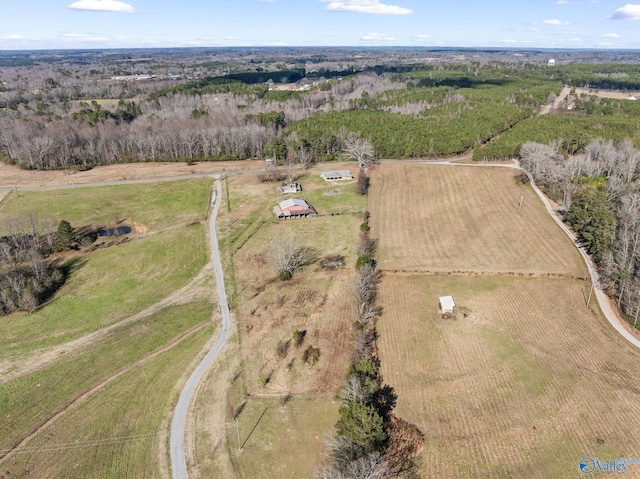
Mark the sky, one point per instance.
(81, 24)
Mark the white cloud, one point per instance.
(422, 35)
(366, 6)
(562, 2)
(83, 37)
(611, 35)
(103, 6)
(15, 37)
(628, 12)
(377, 37)
(555, 21)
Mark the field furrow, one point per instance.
(526, 384)
(445, 218)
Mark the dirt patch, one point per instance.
(13, 177)
(616, 94)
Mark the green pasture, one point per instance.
(154, 205)
(28, 400)
(107, 286)
(111, 284)
(117, 431)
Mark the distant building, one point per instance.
(337, 175)
(293, 208)
(291, 187)
(551, 63)
(446, 304)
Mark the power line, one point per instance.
(77, 445)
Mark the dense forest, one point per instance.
(245, 104)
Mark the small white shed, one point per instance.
(446, 304)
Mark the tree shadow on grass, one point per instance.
(72, 265)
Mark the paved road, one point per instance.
(556, 103)
(178, 458)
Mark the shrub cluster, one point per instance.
(27, 278)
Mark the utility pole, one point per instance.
(590, 292)
(237, 432)
(520, 204)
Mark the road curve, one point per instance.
(603, 300)
(176, 440)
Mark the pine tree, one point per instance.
(65, 236)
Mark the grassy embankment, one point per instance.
(101, 408)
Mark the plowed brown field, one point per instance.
(525, 385)
(448, 218)
(526, 380)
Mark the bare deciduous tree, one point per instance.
(366, 285)
(359, 150)
(288, 256)
(366, 313)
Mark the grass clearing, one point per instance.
(107, 286)
(110, 284)
(130, 375)
(117, 431)
(526, 385)
(288, 442)
(453, 218)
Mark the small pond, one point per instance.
(120, 230)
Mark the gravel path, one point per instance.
(178, 458)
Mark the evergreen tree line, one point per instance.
(571, 132)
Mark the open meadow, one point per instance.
(265, 372)
(526, 379)
(86, 410)
(451, 218)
